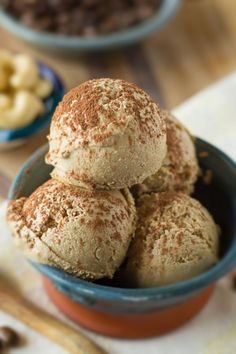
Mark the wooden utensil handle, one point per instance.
(46, 324)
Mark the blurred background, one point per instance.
(189, 45)
(170, 48)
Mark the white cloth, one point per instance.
(211, 115)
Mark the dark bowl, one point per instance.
(133, 313)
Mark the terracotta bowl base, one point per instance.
(129, 326)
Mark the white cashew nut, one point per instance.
(43, 88)
(26, 107)
(21, 90)
(6, 59)
(5, 102)
(4, 78)
(25, 74)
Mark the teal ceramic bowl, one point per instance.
(136, 313)
(10, 138)
(71, 44)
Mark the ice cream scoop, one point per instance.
(176, 239)
(180, 169)
(106, 134)
(85, 233)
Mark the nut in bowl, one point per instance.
(29, 93)
(88, 277)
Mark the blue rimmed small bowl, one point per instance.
(10, 138)
(137, 313)
(71, 44)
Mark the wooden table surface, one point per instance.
(196, 48)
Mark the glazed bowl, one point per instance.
(138, 313)
(10, 138)
(70, 44)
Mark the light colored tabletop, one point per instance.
(195, 49)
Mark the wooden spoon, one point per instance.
(67, 337)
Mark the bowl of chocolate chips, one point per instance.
(85, 25)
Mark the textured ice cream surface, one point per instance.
(106, 134)
(180, 169)
(176, 239)
(85, 233)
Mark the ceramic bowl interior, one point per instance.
(219, 197)
(8, 136)
(76, 44)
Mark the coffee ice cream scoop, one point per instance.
(106, 134)
(176, 239)
(180, 169)
(85, 233)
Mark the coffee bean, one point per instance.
(89, 31)
(8, 337)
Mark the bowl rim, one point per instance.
(9, 135)
(132, 294)
(166, 10)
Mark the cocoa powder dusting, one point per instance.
(99, 109)
(54, 204)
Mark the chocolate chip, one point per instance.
(8, 337)
(89, 31)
